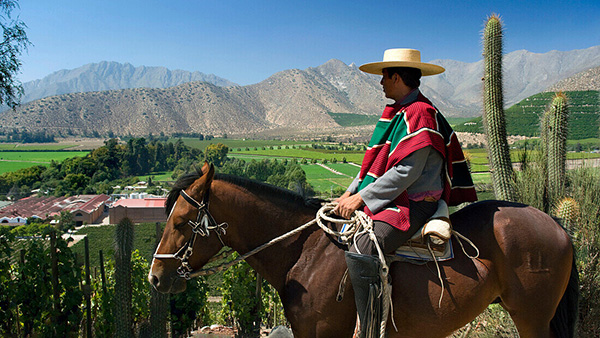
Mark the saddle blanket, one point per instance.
(415, 250)
(418, 253)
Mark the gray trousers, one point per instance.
(390, 238)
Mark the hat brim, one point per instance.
(378, 67)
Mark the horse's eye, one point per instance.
(180, 224)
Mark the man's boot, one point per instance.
(364, 273)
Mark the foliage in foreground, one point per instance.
(248, 301)
(26, 295)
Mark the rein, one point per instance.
(205, 222)
(345, 236)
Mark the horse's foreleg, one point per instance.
(531, 329)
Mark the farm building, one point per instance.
(85, 208)
(138, 210)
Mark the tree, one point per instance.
(216, 154)
(66, 220)
(14, 42)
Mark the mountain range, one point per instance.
(106, 97)
(108, 75)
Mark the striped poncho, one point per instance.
(401, 130)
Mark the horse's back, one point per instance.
(515, 227)
(524, 260)
(531, 256)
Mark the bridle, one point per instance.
(202, 226)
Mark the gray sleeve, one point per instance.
(390, 185)
(353, 187)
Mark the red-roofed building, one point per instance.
(138, 210)
(85, 208)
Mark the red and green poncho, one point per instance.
(401, 130)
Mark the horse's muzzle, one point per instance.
(167, 285)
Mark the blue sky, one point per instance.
(246, 41)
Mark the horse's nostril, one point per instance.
(154, 280)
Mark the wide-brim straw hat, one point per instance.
(401, 57)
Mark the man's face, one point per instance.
(388, 85)
(393, 86)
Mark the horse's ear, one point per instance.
(211, 171)
(208, 172)
(205, 168)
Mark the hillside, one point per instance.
(195, 107)
(523, 118)
(586, 80)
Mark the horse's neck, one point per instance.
(255, 220)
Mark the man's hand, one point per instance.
(347, 204)
(343, 197)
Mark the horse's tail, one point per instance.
(565, 317)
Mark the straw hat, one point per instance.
(401, 57)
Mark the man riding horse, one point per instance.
(413, 161)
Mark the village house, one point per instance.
(85, 209)
(138, 210)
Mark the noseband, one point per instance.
(202, 226)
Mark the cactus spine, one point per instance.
(568, 210)
(493, 116)
(557, 130)
(123, 288)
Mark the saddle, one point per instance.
(435, 234)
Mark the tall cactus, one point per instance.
(556, 122)
(123, 288)
(493, 116)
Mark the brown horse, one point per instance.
(526, 262)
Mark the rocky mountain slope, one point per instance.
(586, 80)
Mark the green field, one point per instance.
(6, 167)
(345, 168)
(350, 120)
(15, 160)
(457, 120)
(235, 144)
(308, 153)
(34, 147)
(162, 176)
(324, 180)
(481, 178)
(39, 156)
(250, 157)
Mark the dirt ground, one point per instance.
(215, 331)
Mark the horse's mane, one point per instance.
(265, 189)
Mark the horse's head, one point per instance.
(185, 245)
